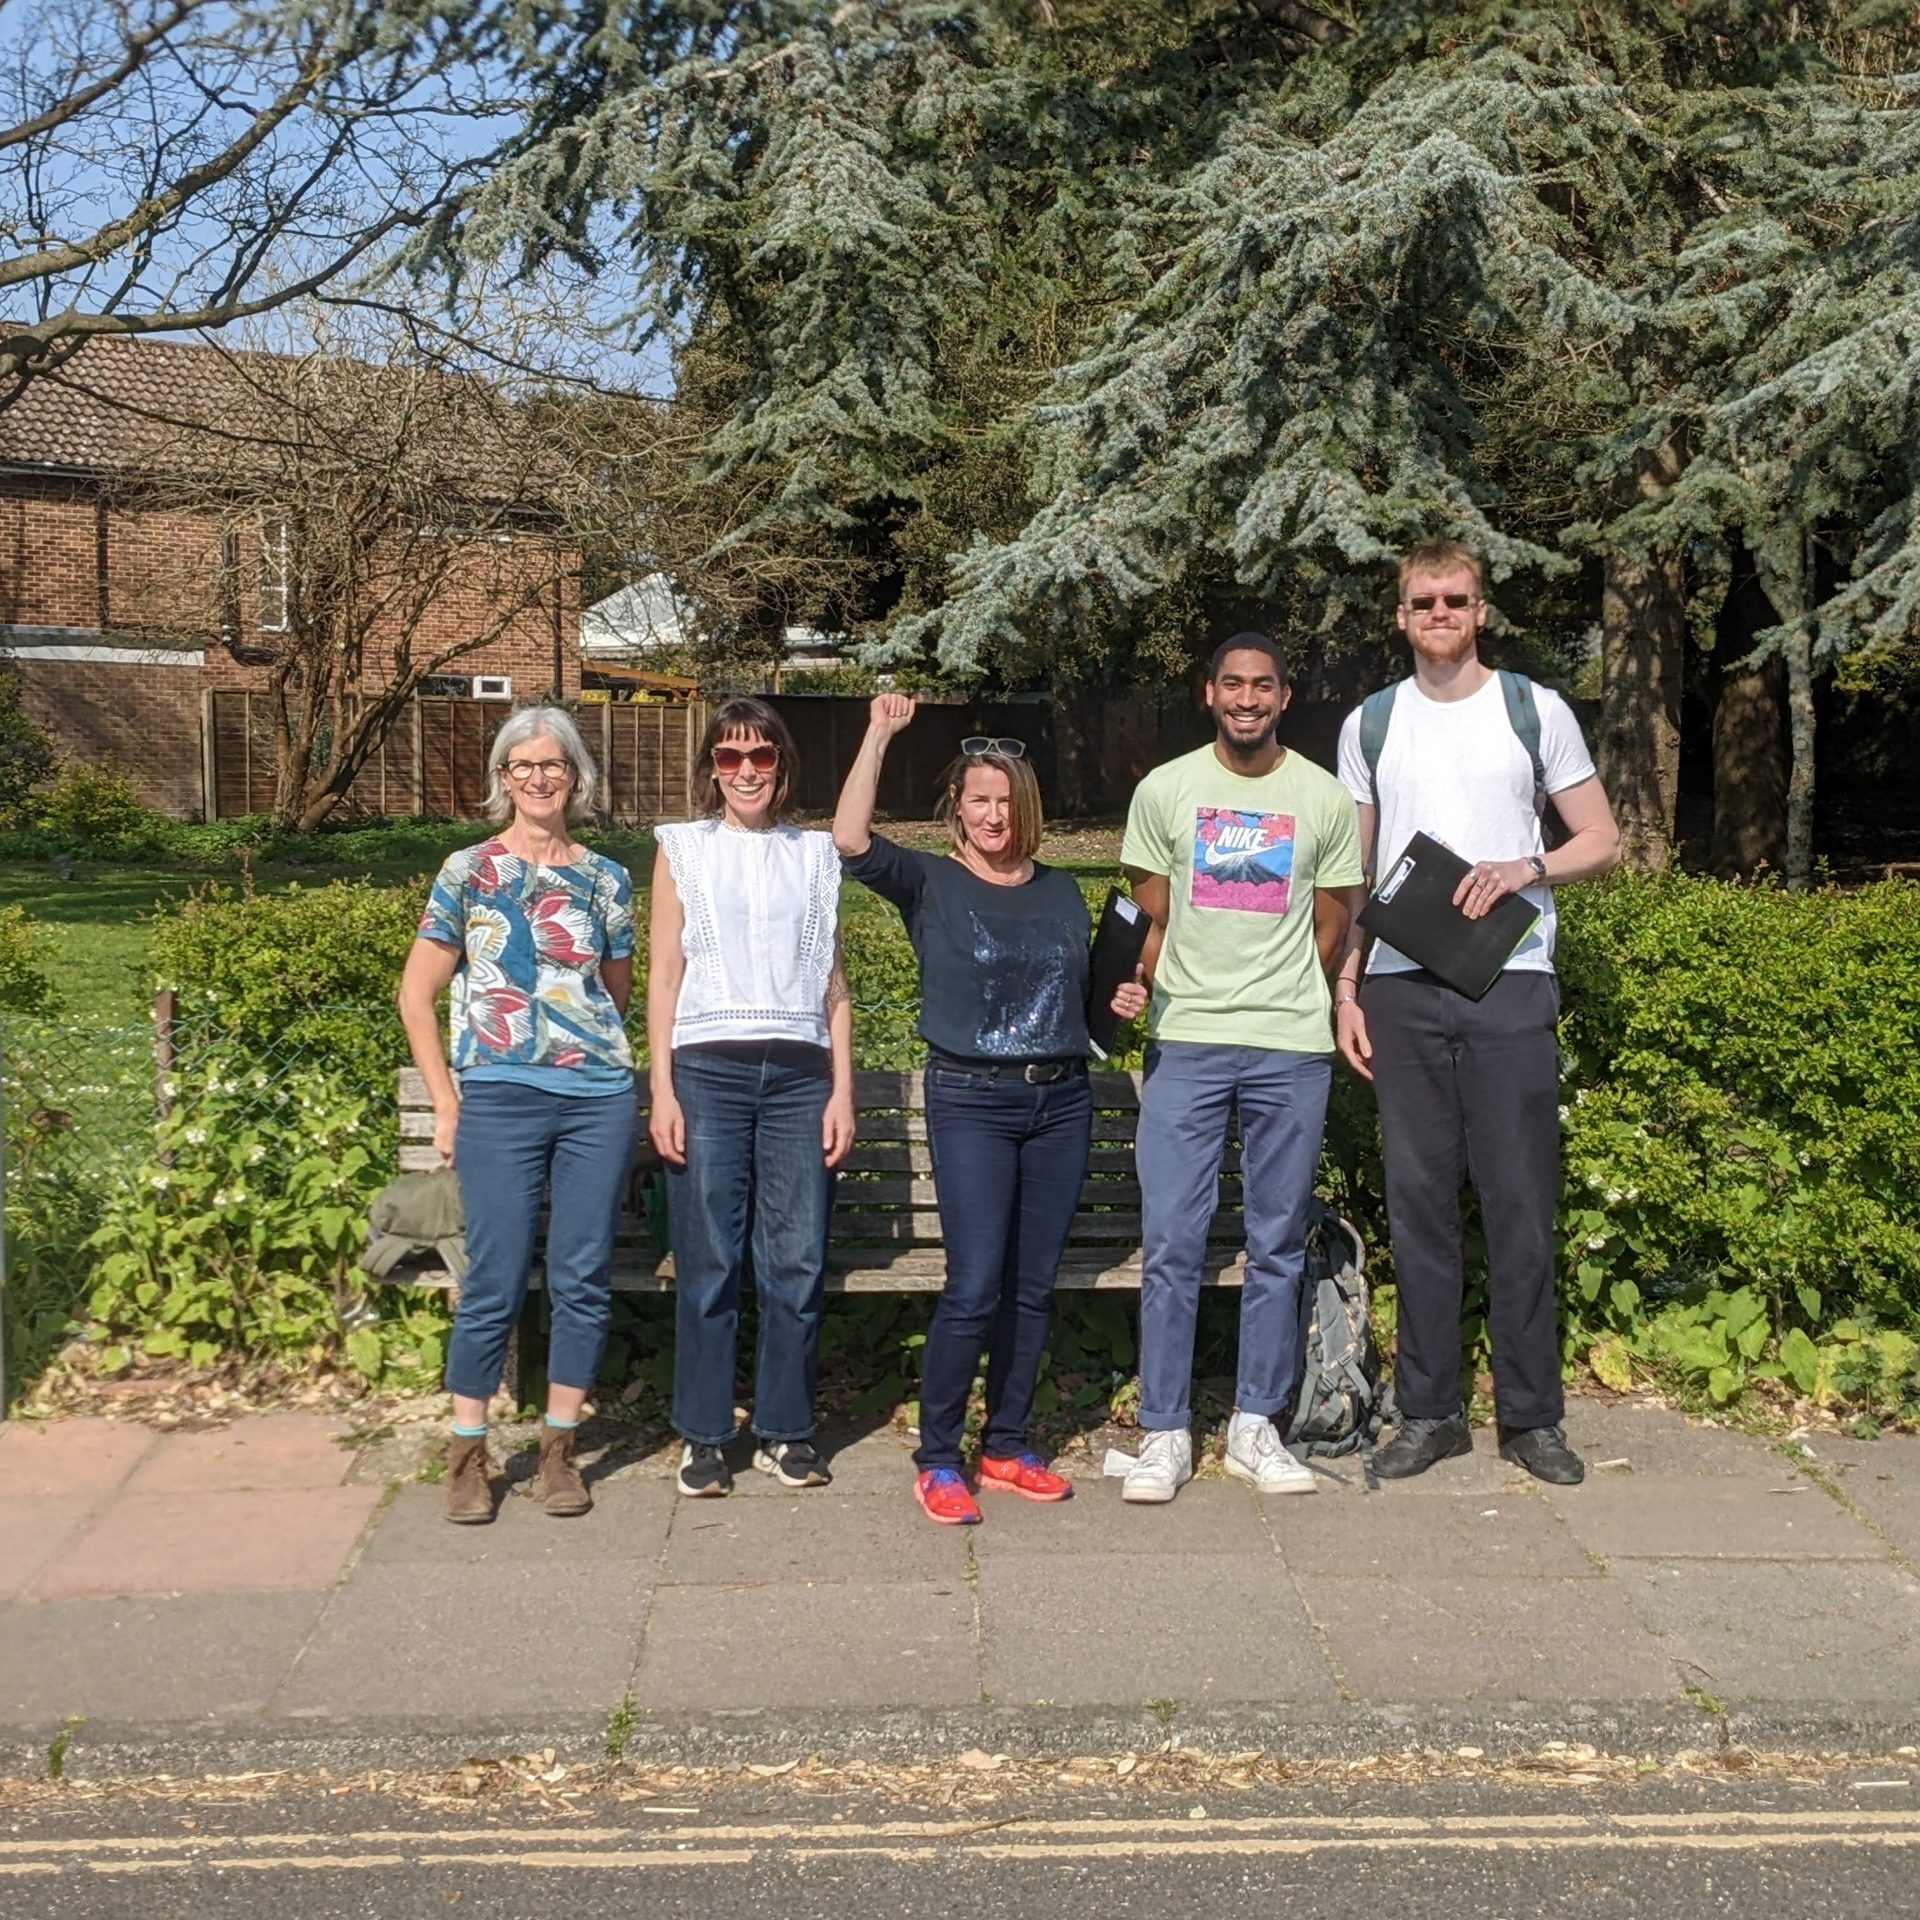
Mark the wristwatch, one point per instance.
(1539, 867)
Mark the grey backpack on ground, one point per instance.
(1339, 1403)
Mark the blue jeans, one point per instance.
(1009, 1160)
(1186, 1103)
(755, 1174)
(516, 1146)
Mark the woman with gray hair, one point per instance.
(533, 933)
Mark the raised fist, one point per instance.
(891, 712)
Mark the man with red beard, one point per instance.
(1469, 756)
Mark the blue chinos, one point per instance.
(1009, 1160)
(756, 1179)
(519, 1145)
(1186, 1106)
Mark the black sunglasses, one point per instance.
(1426, 602)
(988, 743)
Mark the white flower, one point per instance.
(1614, 1196)
(160, 1183)
(196, 1136)
(1633, 1193)
(1593, 1180)
(1806, 1159)
(1563, 1112)
(1595, 1242)
(255, 1154)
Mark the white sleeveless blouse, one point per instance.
(761, 910)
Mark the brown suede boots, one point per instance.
(468, 1489)
(557, 1484)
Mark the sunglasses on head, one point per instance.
(762, 759)
(1426, 602)
(989, 743)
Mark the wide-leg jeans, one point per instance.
(756, 1180)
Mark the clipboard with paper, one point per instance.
(1412, 910)
(1118, 942)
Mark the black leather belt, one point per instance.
(1036, 1073)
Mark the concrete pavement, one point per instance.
(262, 1591)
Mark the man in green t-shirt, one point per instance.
(1247, 858)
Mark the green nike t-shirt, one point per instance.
(1242, 857)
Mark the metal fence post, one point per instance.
(165, 1006)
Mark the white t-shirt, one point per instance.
(1455, 770)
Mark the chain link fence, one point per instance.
(83, 1107)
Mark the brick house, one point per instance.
(144, 617)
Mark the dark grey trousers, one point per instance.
(1471, 1088)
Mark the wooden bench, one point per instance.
(886, 1226)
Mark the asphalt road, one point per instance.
(1789, 1842)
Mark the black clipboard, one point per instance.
(1412, 909)
(1118, 942)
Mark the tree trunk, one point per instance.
(1749, 771)
(1637, 746)
(1749, 734)
(1786, 571)
(1800, 783)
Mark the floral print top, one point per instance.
(529, 993)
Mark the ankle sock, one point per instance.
(469, 1433)
(565, 1426)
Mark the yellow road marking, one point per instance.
(693, 1857)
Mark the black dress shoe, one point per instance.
(1544, 1452)
(1419, 1444)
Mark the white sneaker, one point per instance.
(1255, 1454)
(1164, 1467)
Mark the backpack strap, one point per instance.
(1376, 710)
(1523, 715)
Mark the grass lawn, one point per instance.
(99, 918)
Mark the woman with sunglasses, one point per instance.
(533, 934)
(750, 1033)
(1002, 946)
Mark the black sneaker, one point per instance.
(794, 1463)
(704, 1474)
(1544, 1452)
(1420, 1444)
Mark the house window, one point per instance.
(229, 586)
(492, 686)
(275, 576)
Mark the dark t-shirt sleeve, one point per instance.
(894, 872)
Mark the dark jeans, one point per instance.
(1009, 1160)
(755, 1177)
(516, 1146)
(1186, 1105)
(1471, 1088)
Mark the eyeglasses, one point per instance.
(521, 771)
(761, 759)
(1426, 602)
(989, 743)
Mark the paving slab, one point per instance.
(197, 1658)
(1783, 1516)
(1511, 1534)
(1416, 1642)
(1821, 1632)
(1880, 1477)
(1480, 1472)
(1210, 1516)
(848, 1645)
(35, 1530)
(1656, 1440)
(861, 1460)
(76, 1459)
(1111, 1629)
(421, 1642)
(810, 1538)
(628, 1523)
(211, 1543)
(266, 1453)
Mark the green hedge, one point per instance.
(1743, 1084)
